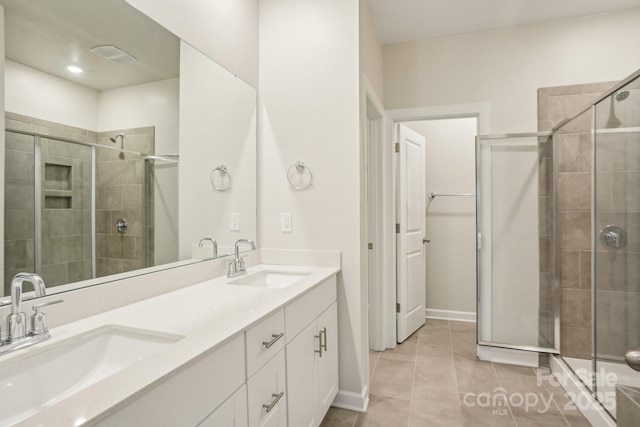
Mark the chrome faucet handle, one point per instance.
(38, 319)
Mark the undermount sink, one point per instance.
(270, 279)
(46, 376)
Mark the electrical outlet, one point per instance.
(234, 224)
(285, 223)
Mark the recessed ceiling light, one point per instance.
(74, 69)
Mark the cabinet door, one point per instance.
(302, 378)
(232, 413)
(328, 363)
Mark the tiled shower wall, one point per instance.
(566, 168)
(124, 190)
(66, 218)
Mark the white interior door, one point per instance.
(411, 285)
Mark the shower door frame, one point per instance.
(37, 144)
(487, 295)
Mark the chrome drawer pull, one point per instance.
(275, 337)
(323, 341)
(276, 397)
(319, 343)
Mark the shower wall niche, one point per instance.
(64, 251)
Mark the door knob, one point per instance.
(425, 240)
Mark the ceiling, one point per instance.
(405, 20)
(50, 35)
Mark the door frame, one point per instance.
(375, 270)
(386, 288)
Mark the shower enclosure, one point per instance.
(559, 235)
(77, 206)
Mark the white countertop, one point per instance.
(207, 314)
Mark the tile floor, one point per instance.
(434, 379)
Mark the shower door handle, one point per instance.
(632, 357)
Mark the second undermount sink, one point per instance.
(46, 376)
(270, 279)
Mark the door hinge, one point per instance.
(397, 228)
(370, 245)
(397, 307)
(397, 147)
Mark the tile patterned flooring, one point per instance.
(434, 379)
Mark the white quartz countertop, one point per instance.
(207, 314)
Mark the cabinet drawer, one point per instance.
(305, 309)
(264, 341)
(266, 390)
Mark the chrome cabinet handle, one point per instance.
(322, 341)
(319, 344)
(275, 337)
(273, 403)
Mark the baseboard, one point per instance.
(461, 316)
(353, 401)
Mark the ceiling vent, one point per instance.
(113, 54)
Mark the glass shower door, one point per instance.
(616, 241)
(516, 296)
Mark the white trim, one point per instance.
(507, 356)
(461, 316)
(578, 392)
(480, 111)
(382, 304)
(352, 401)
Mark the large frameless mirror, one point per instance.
(124, 146)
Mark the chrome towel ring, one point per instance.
(220, 178)
(296, 176)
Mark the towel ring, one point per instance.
(298, 169)
(223, 172)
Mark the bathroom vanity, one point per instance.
(255, 350)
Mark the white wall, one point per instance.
(37, 94)
(371, 56)
(217, 126)
(224, 30)
(450, 221)
(506, 67)
(309, 111)
(152, 104)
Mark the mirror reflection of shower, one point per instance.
(114, 139)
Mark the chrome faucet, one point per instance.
(17, 320)
(17, 336)
(236, 267)
(213, 242)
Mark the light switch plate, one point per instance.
(285, 223)
(234, 223)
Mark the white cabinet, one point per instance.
(188, 396)
(232, 413)
(328, 360)
(267, 390)
(312, 370)
(282, 370)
